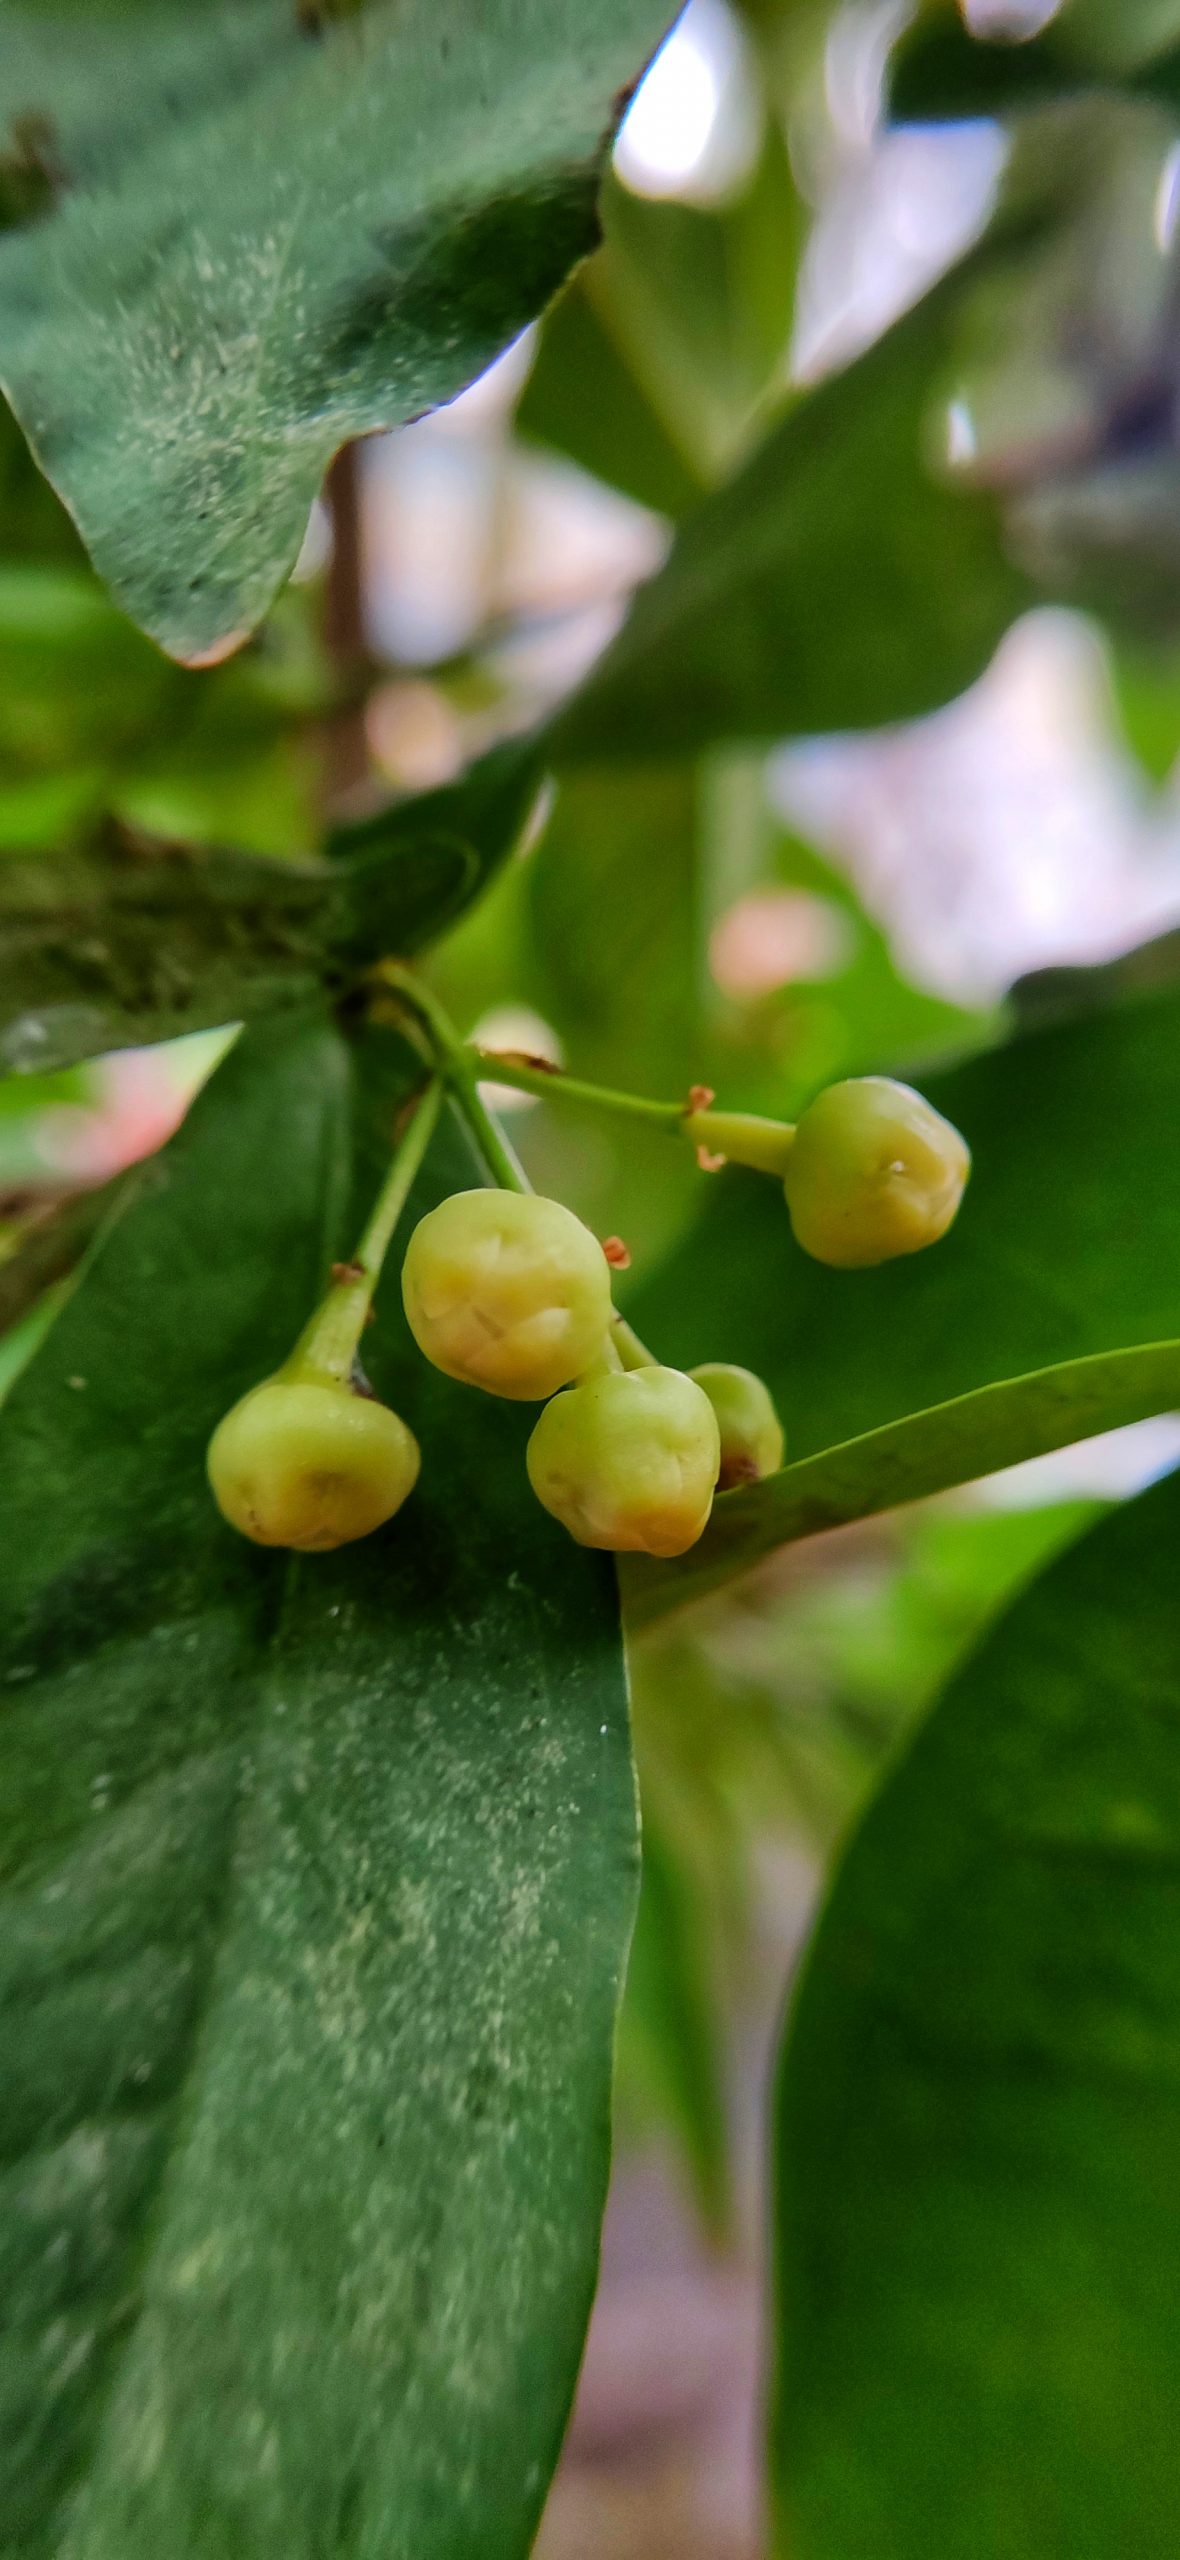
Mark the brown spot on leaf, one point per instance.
(32, 174)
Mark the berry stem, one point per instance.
(328, 1344)
(633, 1354)
(742, 1137)
(458, 1066)
(552, 1083)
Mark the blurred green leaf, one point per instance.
(864, 1013)
(836, 582)
(43, 1248)
(947, 1444)
(1147, 700)
(655, 364)
(22, 1340)
(978, 2234)
(670, 2026)
(583, 400)
(769, 1710)
(77, 680)
(940, 70)
(613, 958)
(1067, 1244)
(318, 1880)
(192, 320)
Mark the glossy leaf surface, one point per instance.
(238, 236)
(317, 1883)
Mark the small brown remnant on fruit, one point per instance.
(617, 1253)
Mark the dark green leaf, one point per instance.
(413, 868)
(940, 70)
(837, 582)
(239, 237)
(318, 1880)
(97, 952)
(974, 1435)
(979, 2116)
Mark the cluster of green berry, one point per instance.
(511, 1293)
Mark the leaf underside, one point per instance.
(241, 234)
(317, 1880)
(979, 2116)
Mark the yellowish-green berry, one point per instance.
(308, 1463)
(507, 1292)
(628, 1461)
(874, 1171)
(751, 1433)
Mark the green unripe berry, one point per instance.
(874, 1172)
(751, 1433)
(628, 1461)
(308, 1463)
(507, 1292)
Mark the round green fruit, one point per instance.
(507, 1292)
(751, 1433)
(874, 1172)
(628, 1461)
(310, 1464)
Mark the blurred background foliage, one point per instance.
(746, 904)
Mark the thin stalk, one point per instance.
(553, 1084)
(741, 1137)
(633, 1354)
(329, 1342)
(458, 1066)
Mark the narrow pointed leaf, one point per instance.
(978, 2252)
(317, 1878)
(840, 580)
(974, 1435)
